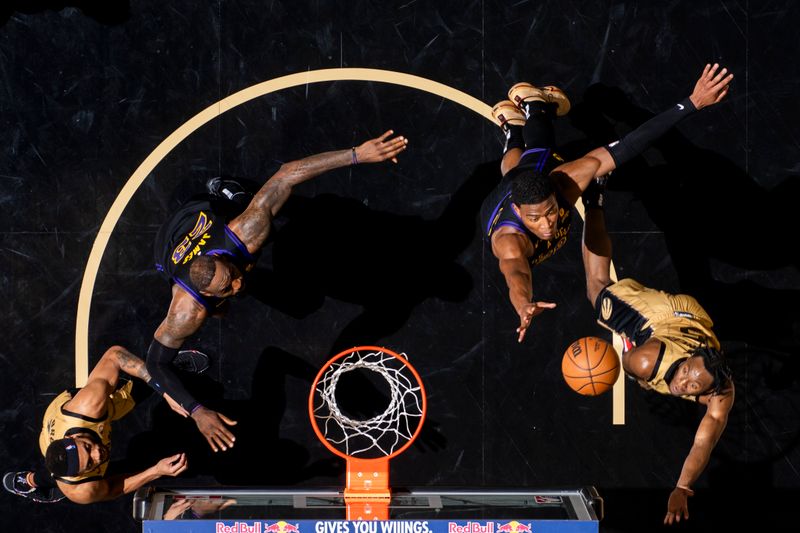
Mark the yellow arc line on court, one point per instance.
(213, 111)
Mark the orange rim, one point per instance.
(345, 353)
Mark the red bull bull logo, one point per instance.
(281, 527)
(514, 527)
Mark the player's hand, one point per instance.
(381, 149)
(172, 466)
(711, 87)
(527, 313)
(203, 507)
(678, 505)
(175, 406)
(177, 509)
(213, 426)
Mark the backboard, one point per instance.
(413, 510)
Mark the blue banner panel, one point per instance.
(364, 526)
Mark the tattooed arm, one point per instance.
(253, 225)
(92, 399)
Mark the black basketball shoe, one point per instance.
(17, 483)
(191, 361)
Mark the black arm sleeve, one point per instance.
(642, 137)
(163, 378)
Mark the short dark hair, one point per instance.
(530, 186)
(717, 366)
(61, 458)
(202, 271)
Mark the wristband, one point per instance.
(195, 408)
(353, 153)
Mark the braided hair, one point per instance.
(717, 366)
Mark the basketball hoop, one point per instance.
(368, 444)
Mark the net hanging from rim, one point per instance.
(381, 436)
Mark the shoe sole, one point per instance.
(192, 361)
(525, 92)
(505, 112)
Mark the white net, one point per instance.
(380, 435)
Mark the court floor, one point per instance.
(111, 111)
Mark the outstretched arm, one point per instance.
(91, 400)
(510, 250)
(184, 318)
(252, 226)
(113, 487)
(708, 433)
(710, 88)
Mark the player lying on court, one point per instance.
(205, 257)
(76, 439)
(529, 214)
(674, 350)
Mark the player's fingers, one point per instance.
(179, 466)
(523, 329)
(393, 151)
(721, 95)
(219, 443)
(705, 70)
(394, 147)
(720, 75)
(386, 135)
(227, 420)
(184, 504)
(548, 305)
(225, 438)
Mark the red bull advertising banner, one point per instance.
(364, 526)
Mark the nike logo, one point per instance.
(680, 107)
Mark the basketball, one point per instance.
(590, 366)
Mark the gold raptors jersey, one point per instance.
(632, 310)
(59, 423)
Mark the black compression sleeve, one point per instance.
(642, 137)
(43, 479)
(163, 378)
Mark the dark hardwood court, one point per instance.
(393, 254)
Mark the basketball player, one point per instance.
(76, 439)
(529, 214)
(673, 350)
(206, 256)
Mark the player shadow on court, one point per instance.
(269, 450)
(110, 12)
(260, 456)
(333, 247)
(715, 218)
